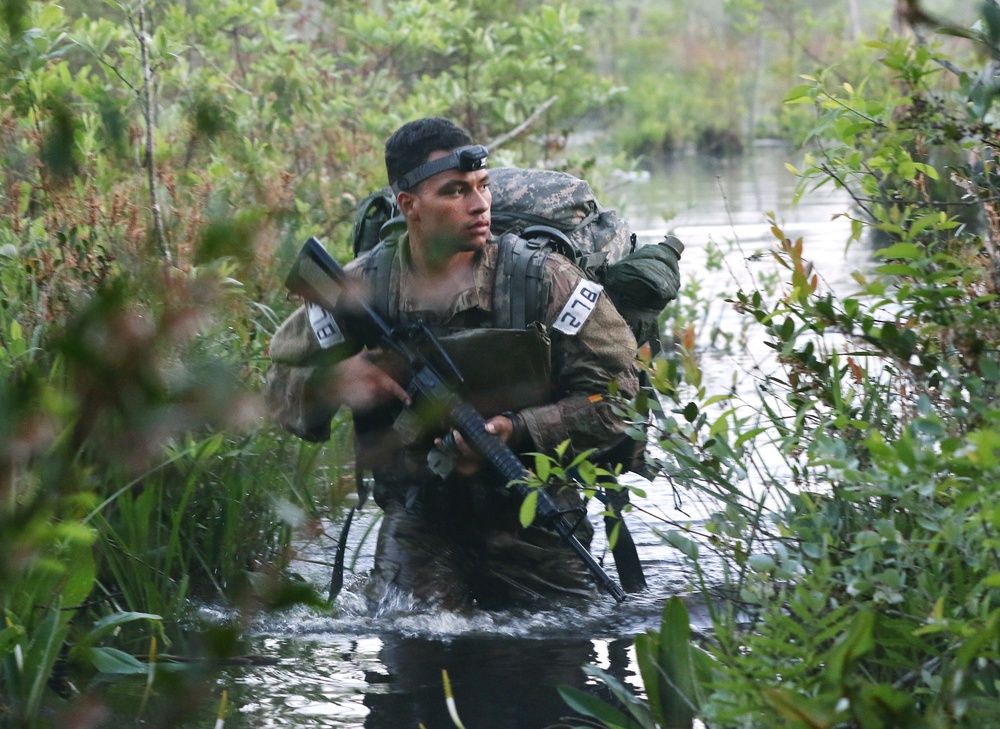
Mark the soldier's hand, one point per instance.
(361, 384)
(469, 461)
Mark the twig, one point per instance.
(147, 79)
(523, 126)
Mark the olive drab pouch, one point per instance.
(643, 283)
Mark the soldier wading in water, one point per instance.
(455, 541)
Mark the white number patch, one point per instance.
(579, 307)
(324, 326)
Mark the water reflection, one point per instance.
(395, 681)
(497, 682)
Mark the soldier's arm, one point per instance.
(585, 361)
(315, 372)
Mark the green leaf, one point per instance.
(592, 706)
(749, 435)
(677, 692)
(109, 624)
(897, 269)
(112, 660)
(677, 540)
(690, 412)
(82, 575)
(528, 508)
(543, 466)
(908, 251)
(10, 637)
(856, 642)
(991, 17)
(803, 711)
(637, 706)
(798, 94)
(646, 650)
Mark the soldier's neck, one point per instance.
(435, 286)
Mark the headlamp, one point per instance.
(467, 159)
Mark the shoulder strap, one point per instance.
(379, 268)
(521, 291)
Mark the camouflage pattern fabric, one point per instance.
(443, 559)
(525, 197)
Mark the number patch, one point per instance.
(581, 303)
(324, 326)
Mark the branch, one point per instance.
(150, 160)
(523, 126)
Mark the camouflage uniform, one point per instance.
(458, 539)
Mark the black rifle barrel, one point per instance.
(317, 277)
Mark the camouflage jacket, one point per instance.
(584, 359)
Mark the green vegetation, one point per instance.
(157, 160)
(158, 163)
(857, 514)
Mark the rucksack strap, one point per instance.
(521, 291)
(379, 269)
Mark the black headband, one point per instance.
(468, 159)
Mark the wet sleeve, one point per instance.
(584, 365)
(295, 380)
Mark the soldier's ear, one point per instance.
(408, 206)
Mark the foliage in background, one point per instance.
(713, 75)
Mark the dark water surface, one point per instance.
(356, 669)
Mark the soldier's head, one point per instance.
(411, 145)
(442, 187)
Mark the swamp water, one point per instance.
(355, 669)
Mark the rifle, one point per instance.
(318, 278)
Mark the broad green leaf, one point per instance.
(856, 642)
(908, 251)
(677, 692)
(543, 465)
(592, 706)
(897, 269)
(81, 578)
(108, 624)
(635, 705)
(112, 660)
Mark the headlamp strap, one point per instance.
(468, 159)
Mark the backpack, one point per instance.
(555, 211)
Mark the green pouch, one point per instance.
(647, 279)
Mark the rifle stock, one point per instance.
(317, 277)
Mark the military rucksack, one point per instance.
(555, 211)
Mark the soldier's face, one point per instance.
(449, 212)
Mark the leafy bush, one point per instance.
(858, 516)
